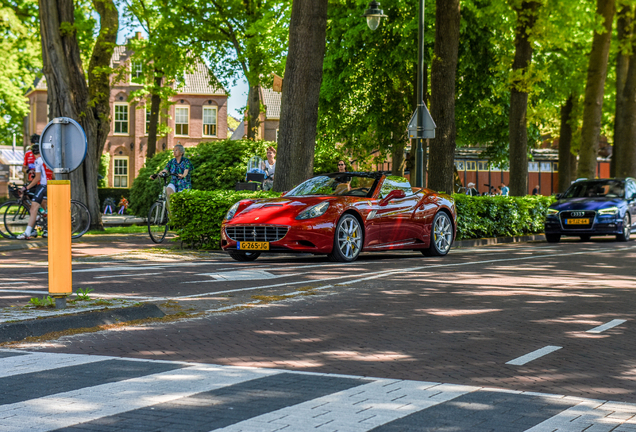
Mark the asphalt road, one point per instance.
(516, 317)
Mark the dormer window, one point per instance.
(136, 71)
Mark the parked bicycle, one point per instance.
(15, 216)
(158, 214)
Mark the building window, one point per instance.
(136, 71)
(120, 172)
(459, 165)
(545, 166)
(209, 121)
(482, 165)
(147, 121)
(556, 167)
(533, 166)
(182, 120)
(121, 119)
(470, 165)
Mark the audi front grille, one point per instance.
(577, 214)
(256, 233)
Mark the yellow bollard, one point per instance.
(59, 231)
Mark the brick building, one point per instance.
(198, 113)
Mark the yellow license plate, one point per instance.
(253, 246)
(577, 221)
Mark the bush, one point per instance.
(197, 215)
(217, 165)
(500, 216)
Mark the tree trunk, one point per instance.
(253, 112)
(594, 88)
(443, 70)
(301, 88)
(68, 93)
(155, 106)
(565, 144)
(518, 125)
(626, 160)
(624, 31)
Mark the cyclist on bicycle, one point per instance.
(179, 168)
(38, 188)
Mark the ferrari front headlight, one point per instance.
(314, 211)
(609, 211)
(232, 211)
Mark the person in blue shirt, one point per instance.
(180, 167)
(505, 190)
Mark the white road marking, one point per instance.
(520, 361)
(123, 276)
(606, 326)
(38, 362)
(19, 291)
(3, 283)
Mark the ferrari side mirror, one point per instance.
(394, 194)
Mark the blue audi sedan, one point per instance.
(593, 208)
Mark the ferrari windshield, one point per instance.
(596, 188)
(342, 184)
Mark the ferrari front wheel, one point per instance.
(441, 235)
(348, 239)
(244, 256)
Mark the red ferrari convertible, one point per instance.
(341, 215)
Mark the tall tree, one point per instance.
(625, 32)
(301, 92)
(594, 89)
(443, 70)
(626, 156)
(70, 95)
(566, 161)
(235, 36)
(527, 12)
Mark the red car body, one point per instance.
(389, 220)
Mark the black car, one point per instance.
(593, 207)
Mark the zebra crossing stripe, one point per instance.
(26, 363)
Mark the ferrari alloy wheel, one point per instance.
(348, 240)
(244, 256)
(441, 235)
(627, 229)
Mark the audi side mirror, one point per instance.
(558, 196)
(394, 194)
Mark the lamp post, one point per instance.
(421, 125)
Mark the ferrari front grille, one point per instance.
(256, 233)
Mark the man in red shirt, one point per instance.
(28, 167)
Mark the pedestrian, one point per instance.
(535, 191)
(505, 190)
(471, 190)
(270, 168)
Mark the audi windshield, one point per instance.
(596, 189)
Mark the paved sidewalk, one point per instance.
(111, 394)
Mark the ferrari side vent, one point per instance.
(256, 233)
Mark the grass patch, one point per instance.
(131, 229)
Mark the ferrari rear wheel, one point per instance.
(244, 256)
(348, 240)
(441, 235)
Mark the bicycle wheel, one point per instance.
(15, 218)
(157, 222)
(80, 219)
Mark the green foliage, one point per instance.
(500, 216)
(44, 302)
(104, 162)
(82, 294)
(197, 215)
(217, 165)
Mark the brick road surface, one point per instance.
(457, 319)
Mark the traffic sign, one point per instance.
(428, 131)
(63, 145)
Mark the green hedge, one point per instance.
(500, 216)
(197, 215)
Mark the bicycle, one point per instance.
(15, 216)
(158, 214)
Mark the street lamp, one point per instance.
(374, 15)
(421, 125)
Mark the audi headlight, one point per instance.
(232, 211)
(552, 212)
(609, 211)
(314, 211)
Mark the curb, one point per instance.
(497, 240)
(35, 244)
(10, 332)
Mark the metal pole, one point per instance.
(419, 179)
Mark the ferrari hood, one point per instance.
(276, 210)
